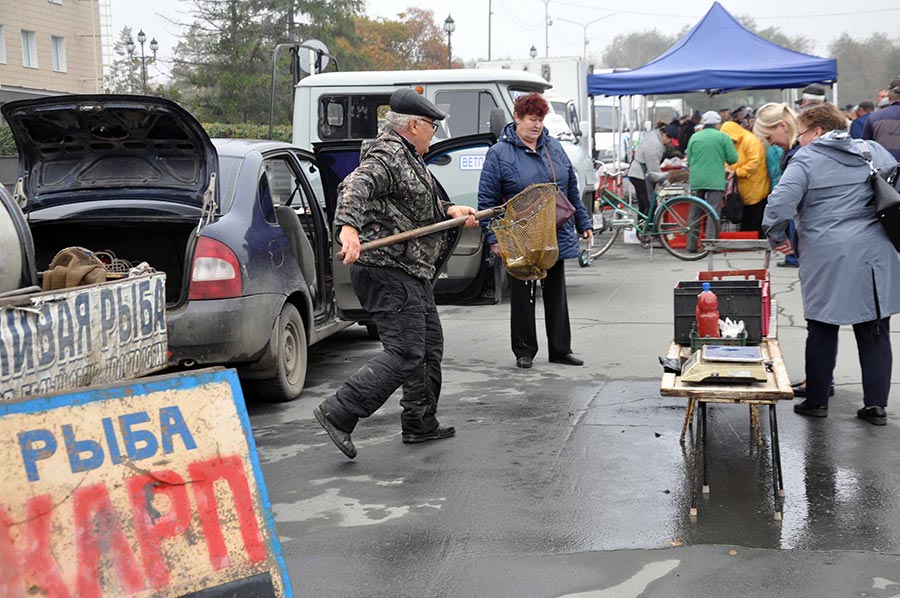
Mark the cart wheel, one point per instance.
(585, 259)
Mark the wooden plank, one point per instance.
(776, 387)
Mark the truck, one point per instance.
(347, 107)
(568, 95)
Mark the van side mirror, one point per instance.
(572, 116)
(498, 121)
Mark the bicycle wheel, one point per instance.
(681, 223)
(605, 233)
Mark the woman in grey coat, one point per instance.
(647, 158)
(850, 273)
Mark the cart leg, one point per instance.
(688, 416)
(755, 424)
(705, 477)
(777, 486)
(777, 438)
(695, 463)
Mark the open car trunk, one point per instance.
(165, 244)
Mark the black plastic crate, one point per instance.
(738, 300)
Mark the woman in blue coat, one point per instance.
(526, 154)
(850, 272)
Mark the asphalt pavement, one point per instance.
(570, 481)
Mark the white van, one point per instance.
(341, 107)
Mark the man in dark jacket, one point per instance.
(392, 191)
(883, 126)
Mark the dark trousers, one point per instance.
(523, 327)
(410, 329)
(715, 199)
(873, 342)
(642, 190)
(753, 217)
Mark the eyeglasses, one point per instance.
(434, 125)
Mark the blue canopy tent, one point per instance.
(718, 55)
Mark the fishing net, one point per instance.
(526, 233)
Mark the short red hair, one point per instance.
(532, 103)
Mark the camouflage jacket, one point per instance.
(392, 191)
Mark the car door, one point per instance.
(456, 164)
(338, 159)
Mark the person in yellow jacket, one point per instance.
(750, 169)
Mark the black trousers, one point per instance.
(873, 342)
(523, 327)
(410, 329)
(715, 199)
(753, 217)
(642, 190)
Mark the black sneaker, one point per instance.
(800, 390)
(875, 415)
(438, 433)
(805, 408)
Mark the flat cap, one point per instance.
(407, 101)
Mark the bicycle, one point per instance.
(679, 222)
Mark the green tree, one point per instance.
(223, 64)
(864, 66)
(124, 72)
(632, 50)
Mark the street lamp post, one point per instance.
(449, 27)
(584, 27)
(154, 46)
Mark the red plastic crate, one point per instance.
(760, 274)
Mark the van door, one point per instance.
(338, 159)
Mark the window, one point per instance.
(29, 49)
(351, 117)
(2, 45)
(469, 112)
(58, 45)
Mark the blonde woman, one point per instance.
(776, 124)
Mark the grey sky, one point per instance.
(517, 24)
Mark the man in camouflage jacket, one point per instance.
(390, 192)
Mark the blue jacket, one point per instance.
(510, 166)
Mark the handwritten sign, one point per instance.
(83, 336)
(150, 489)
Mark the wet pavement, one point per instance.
(571, 481)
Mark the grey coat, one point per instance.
(849, 271)
(650, 153)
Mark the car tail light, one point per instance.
(216, 273)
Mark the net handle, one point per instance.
(431, 228)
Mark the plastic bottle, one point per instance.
(707, 313)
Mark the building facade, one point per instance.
(49, 47)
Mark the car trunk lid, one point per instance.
(82, 148)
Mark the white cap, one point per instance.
(710, 117)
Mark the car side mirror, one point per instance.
(498, 121)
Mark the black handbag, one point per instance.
(886, 198)
(733, 208)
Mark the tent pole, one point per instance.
(834, 95)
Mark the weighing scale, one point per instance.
(723, 364)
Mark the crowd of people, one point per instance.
(803, 175)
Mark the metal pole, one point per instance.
(143, 68)
(449, 51)
(490, 12)
(546, 28)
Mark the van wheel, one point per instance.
(288, 346)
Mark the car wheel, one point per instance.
(288, 345)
